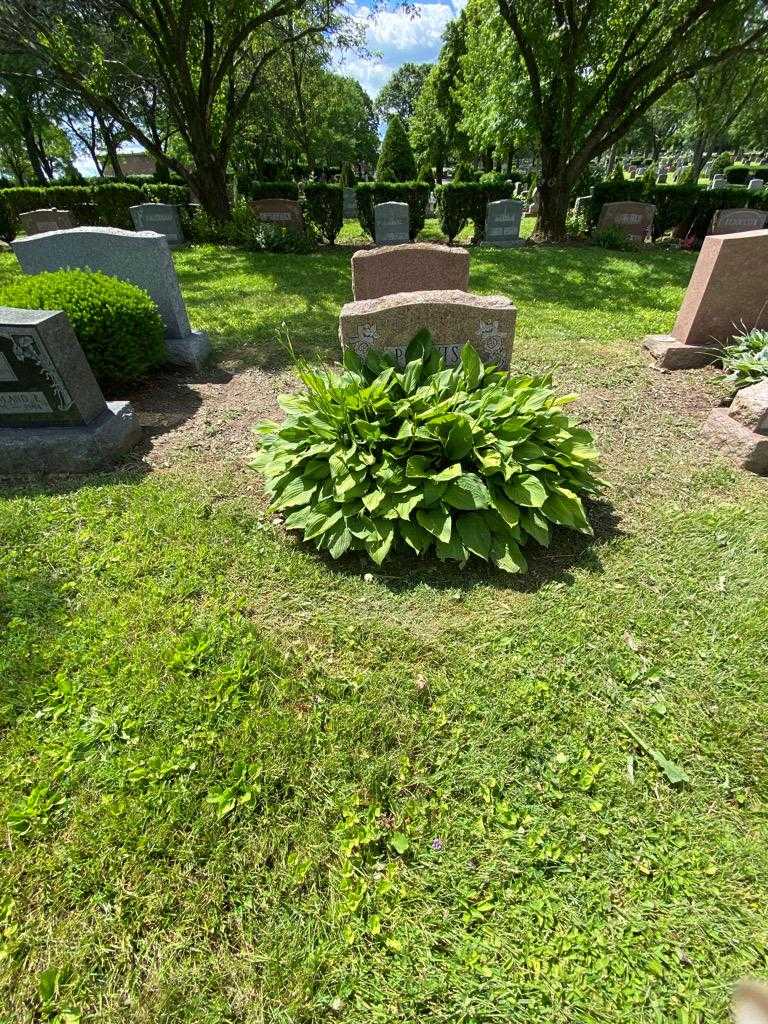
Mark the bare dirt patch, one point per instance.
(206, 417)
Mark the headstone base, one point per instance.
(190, 351)
(671, 354)
(745, 447)
(26, 451)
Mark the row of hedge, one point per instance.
(107, 204)
(683, 208)
(740, 174)
(461, 202)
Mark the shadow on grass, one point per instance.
(568, 551)
(253, 300)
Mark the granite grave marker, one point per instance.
(160, 217)
(283, 213)
(141, 257)
(391, 223)
(53, 417)
(36, 221)
(502, 223)
(635, 219)
(726, 222)
(413, 267)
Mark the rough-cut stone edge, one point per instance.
(35, 451)
(737, 442)
(192, 350)
(750, 407)
(437, 297)
(671, 354)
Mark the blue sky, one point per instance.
(399, 37)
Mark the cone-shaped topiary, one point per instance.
(396, 162)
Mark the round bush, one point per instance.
(465, 461)
(116, 323)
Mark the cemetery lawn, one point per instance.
(242, 783)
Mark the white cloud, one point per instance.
(370, 73)
(400, 30)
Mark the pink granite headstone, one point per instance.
(452, 317)
(728, 289)
(415, 267)
(635, 219)
(727, 293)
(729, 222)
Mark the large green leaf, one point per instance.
(506, 554)
(475, 534)
(436, 521)
(565, 509)
(525, 489)
(415, 536)
(472, 366)
(298, 492)
(460, 440)
(378, 548)
(468, 492)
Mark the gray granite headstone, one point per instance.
(160, 217)
(755, 184)
(36, 221)
(581, 203)
(141, 257)
(350, 203)
(728, 222)
(718, 181)
(502, 223)
(53, 417)
(391, 223)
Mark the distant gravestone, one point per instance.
(414, 267)
(533, 209)
(502, 223)
(728, 289)
(141, 257)
(53, 417)
(726, 222)
(160, 217)
(452, 317)
(350, 203)
(582, 202)
(755, 185)
(283, 213)
(391, 223)
(635, 219)
(36, 221)
(718, 181)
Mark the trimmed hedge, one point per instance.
(685, 208)
(117, 324)
(738, 174)
(371, 193)
(107, 203)
(459, 202)
(272, 190)
(324, 207)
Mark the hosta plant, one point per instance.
(745, 359)
(459, 461)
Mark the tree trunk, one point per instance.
(554, 193)
(109, 142)
(209, 182)
(698, 157)
(30, 143)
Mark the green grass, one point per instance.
(228, 764)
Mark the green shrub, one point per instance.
(324, 207)
(370, 193)
(117, 324)
(613, 237)
(161, 192)
(347, 177)
(113, 202)
(460, 202)
(396, 161)
(721, 162)
(737, 174)
(745, 359)
(426, 174)
(272, 190)
(462, 461)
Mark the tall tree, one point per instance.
(202, 58)
(399, 94)
(594, 67)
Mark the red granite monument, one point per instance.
(727, 293)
